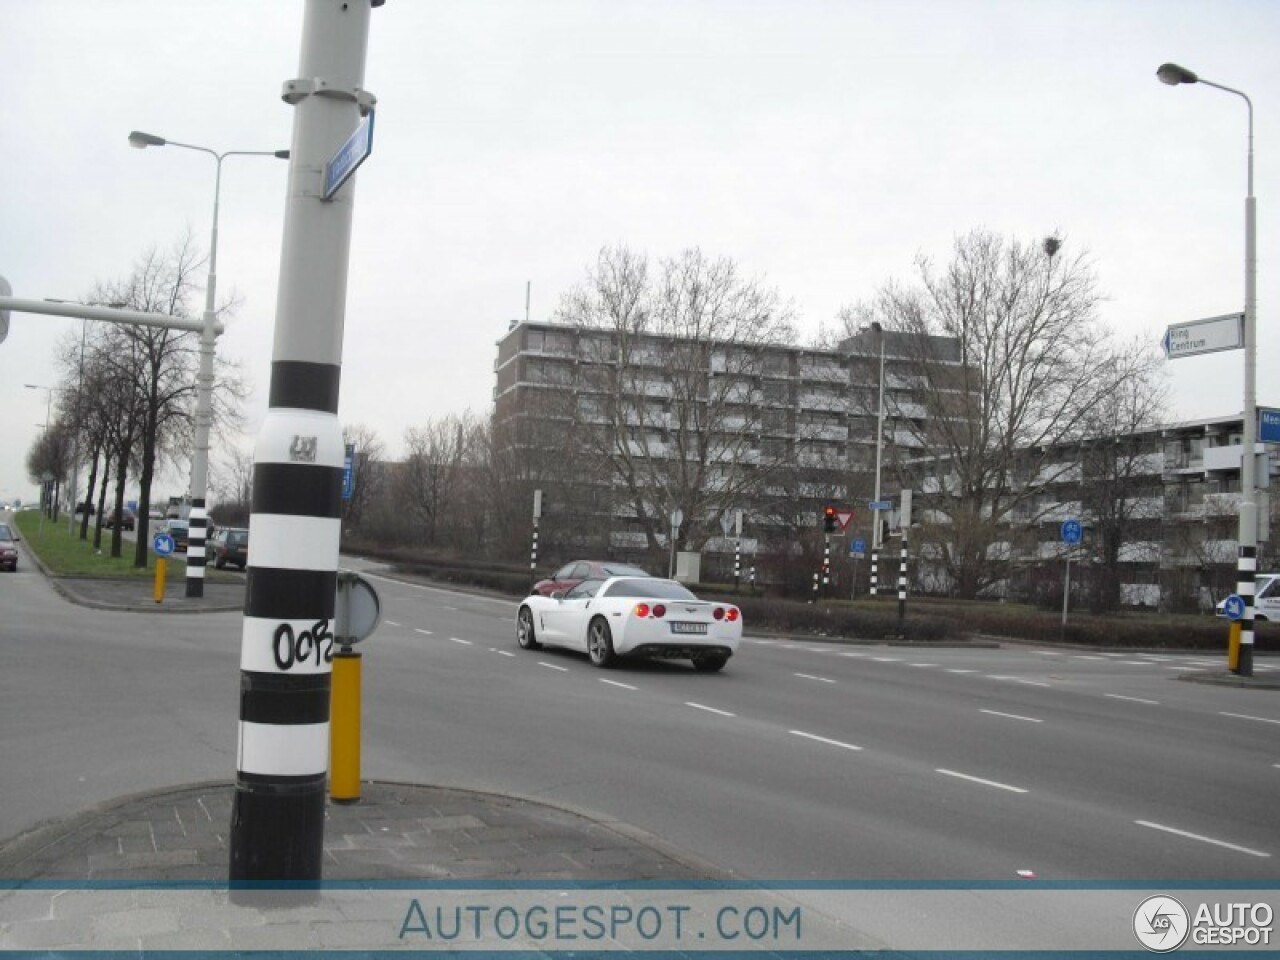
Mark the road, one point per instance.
(801, 761)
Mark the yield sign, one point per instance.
(844, 517)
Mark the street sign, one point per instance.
(349, 471)
(163, 545)
(5, 291)
(858, 548)
(1072, 532)
(843, 518)
(1233, 607)
(879, 504)
(1268, 425)
(357, 608)
(349, 157)
(1204, 336)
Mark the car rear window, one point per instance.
(623, 570)
(651, 587)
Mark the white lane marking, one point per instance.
(1086, 656)
(887, 659)
(1133, 663)
(447, 607)
(809, 676)
(924, 664)
(1245, 716)
(852, 654)
(955, 670)
(1117, 696)
(505, 653)
(392, 623)
(1196, 836)
(985, 783)
(818, 739)
(1179, 667)
(425, 633)
(699, 706)
(465, 643)
(1034, 683)
(763, 643)
(615, 683)
(1012, 716)
(552, 666)
(1046, 653)
(818, 649)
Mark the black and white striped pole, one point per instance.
(904, 524)
(277, 816)
(533, 553)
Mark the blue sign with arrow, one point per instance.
(163, 545)
(1072, 532)
(1233, 607)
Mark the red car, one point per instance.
(574, 572)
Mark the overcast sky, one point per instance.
(821, 144)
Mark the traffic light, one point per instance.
(829, 522)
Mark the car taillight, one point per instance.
(642, 610)
(719, 613)
(731, 614)
(659, 611)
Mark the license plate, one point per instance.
(680, 627)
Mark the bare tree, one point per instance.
(429, 482)
(368, 481)
(1031, 364)
(667, 389)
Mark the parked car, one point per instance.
(643, 617)
(575, 571)
(179, 530)
(126, 524)
(1266, 597)
(8, 547)
(230, 545)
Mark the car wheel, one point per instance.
(600, 643)
(525, 635)
(709, 662)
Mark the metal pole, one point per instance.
(1247, 562)
(75, 440)
(902, 587)
(1066, 598)
(277, 819)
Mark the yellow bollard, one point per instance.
(344, 728)
(162, 566)
(1233, 646)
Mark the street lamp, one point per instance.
(875, 511)
(45, 490)
(198, 518)
(1247, 563)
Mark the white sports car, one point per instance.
(632, 617)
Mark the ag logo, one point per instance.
(1161, 924)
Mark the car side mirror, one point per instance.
(557, 594)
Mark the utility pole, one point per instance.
(277, 816)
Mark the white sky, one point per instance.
(822, 145)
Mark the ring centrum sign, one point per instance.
(1204, 336)
(164, 545)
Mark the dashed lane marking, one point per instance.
(465, 643)
(809, 676)
(979, 780)
(1117, 696)
(1245, 716)
(829, 742)
(553, 666)
(700, 706)
(1012, 716)
(392, 623)
(615, 683)
(1202, 839)
(425, 633)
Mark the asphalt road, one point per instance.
(799, 761)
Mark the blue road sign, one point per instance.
(1072, 531)
(1269, 426)
(163, 545)
(1233, 607)
(879, 504)
(858, 548)
(349, 472)
(349, 157)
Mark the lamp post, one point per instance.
(1247, 563)
(46, 490)
(875, 513)
(198, 518)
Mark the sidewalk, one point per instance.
(148, 872)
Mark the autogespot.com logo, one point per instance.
(1161, 924)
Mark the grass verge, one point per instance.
(66, 555)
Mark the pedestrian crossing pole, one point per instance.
(533, 554)
(287, 641)
(904, 524)
(826, 566)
